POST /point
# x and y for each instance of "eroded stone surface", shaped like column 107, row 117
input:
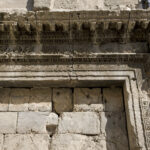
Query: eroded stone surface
column 87, row 96
column 79, row 122
column 19, row 99
column 78, row 5
column 71, row 142
column 40, row 99
column 113, row 127
column 8, row 122
column 41, row 4
column 36, row 122
column 4, row 99
column 113, row 99
column 62, row 100
column 1, row 141
column 27, row 142
column 88, row 99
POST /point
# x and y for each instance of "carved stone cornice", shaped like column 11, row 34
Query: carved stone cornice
column 67, row 27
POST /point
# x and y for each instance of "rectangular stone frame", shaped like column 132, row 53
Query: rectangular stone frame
column 128, row 78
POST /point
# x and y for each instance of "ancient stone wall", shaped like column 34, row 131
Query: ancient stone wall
column 62, row 119
column 68, row 5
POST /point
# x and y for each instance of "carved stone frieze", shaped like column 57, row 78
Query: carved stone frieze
column 74, row 28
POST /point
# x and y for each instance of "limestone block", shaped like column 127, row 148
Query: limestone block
column 113, row 127
column 13, row 4
column 1, row 141
column 113, row 99
column 41, row 4
column 79, row 122
column 19, row 99
column 121, row 2
column 80, row 142
column 27, row 142
column 36, row 122
column 72, row 142
column 8, row 122
column 87, row 96
column 4, row 98
column 62, row 100
column 40, row 99
column 88, row 99
column 78, row 5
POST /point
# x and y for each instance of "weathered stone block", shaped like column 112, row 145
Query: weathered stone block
column 78, row 5
column 8, row 122
column 19, row 99
column 79, row 122
column 36, row 122
column 40, row 99
column 113, row 99
column 1, row 141
column 13, row 4
column 71, row 142
column 87, row 96
column 41, row 4
column 27, row 142
column 4, row 99
column 113, row 127
column 62, row 100
column 88, row 99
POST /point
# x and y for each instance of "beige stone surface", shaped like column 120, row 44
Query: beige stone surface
column 87, row 96
column 71, row 142
column 113, row 127
column 4, row 99
column 8, row 122
column 62, row 100
column 90, row 108
column 80, row 142
column 1, row 141
column 19, row 99
column 87, row 99
column 113, row 99
column 42, row 4
column 40, row 99
column 36, row 122
column 79, row 122
column 13, row 4
column 27, row 142
column 78, row 5
column 72, row 5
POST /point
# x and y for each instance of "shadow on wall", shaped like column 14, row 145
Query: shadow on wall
column 30, row 5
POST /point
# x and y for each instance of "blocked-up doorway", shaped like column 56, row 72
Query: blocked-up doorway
column 63, row 119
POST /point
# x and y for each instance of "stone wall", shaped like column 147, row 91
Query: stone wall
column 62, row 119
column 72, row 5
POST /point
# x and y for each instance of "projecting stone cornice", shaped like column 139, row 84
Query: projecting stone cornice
column 69, row 31
column 93, row 20
column 100, row 21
